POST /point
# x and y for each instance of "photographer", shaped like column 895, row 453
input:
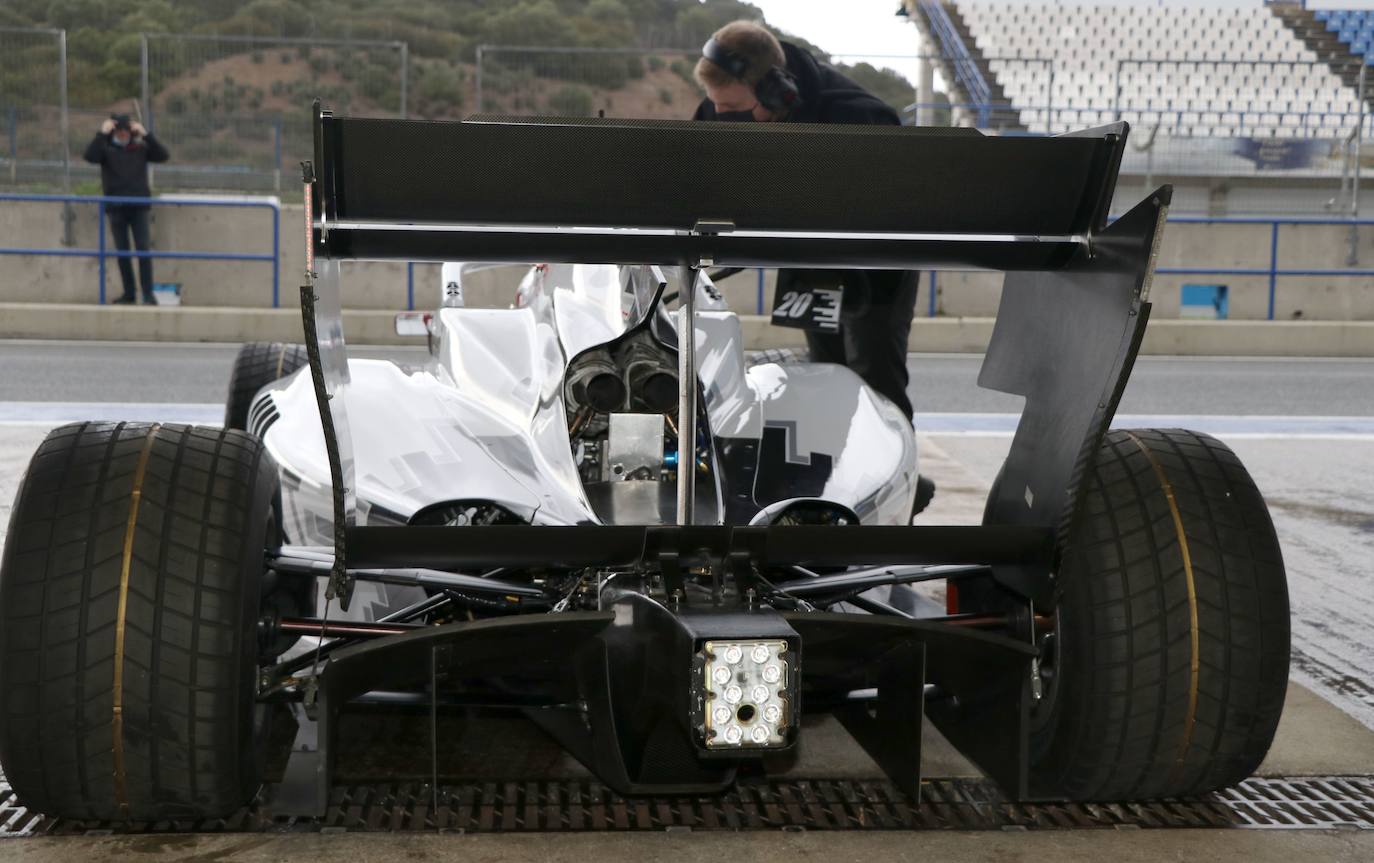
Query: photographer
column 123, row 148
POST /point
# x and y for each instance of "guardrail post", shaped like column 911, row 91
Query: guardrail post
column 410, row 286
column 759, row 304
column 100, row 231
column 276, row 255
column 1273, row 265
column 930, row 301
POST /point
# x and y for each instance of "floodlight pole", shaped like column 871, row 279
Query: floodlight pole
column 68, row 215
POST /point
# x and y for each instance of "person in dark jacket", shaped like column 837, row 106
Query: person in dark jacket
column 123, row 148
column 750, row 76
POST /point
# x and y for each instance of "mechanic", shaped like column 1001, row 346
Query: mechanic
column 751, row 76
column 123, row 148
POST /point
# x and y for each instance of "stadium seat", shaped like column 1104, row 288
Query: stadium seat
column 1222, row 67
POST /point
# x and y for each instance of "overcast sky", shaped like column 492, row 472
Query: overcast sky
column 849, row 27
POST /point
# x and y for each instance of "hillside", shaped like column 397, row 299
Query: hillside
column 193, row 79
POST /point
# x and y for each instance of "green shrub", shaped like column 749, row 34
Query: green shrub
column 570, row 101
column 440, row 86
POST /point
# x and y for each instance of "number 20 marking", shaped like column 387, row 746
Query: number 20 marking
column 793, row 305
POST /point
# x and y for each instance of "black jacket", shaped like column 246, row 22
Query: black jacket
column 830, row 97
column 826, row 96
column 124, row 170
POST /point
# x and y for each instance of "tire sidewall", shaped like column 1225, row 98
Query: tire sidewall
column 265, row 507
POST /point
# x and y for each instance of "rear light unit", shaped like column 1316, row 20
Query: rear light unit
column 747, row 699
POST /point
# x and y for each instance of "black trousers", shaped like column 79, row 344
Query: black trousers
column 126, row 220
column 875, row 322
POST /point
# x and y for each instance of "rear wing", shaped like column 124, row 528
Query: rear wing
column 740, row 194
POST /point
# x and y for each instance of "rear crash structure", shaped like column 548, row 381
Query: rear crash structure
column 1117, row 626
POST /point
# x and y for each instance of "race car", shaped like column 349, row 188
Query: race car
column 591, row 511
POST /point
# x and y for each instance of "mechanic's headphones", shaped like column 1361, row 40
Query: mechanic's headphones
column 776, row 90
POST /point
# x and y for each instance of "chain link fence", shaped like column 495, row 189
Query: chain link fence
column 1280, row 137
column 1286, row 135
column 233, row 110
column 34, row 148
column 641, row 83
column 586, row 82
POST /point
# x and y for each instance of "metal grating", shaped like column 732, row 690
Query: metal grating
column 822, row 804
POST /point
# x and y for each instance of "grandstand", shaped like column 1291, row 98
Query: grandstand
column 1220, row 69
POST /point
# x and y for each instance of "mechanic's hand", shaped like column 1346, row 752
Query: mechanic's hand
column 107, row 127
column 137, row 128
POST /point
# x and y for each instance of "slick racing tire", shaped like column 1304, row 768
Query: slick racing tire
column 1168, row 666
column 129, row 605
column 256, row 366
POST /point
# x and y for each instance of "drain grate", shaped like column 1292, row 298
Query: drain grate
column 821, row 804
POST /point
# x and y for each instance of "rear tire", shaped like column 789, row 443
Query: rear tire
column 129, row 604
column 1171, row 665
column 256, row 366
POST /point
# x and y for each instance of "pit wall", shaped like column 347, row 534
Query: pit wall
column 383, row 286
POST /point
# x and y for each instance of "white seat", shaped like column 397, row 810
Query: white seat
column 1210, row 76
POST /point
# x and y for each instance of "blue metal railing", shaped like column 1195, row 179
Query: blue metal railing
column 101, row 252
column 1273, row 271
column 966, row 71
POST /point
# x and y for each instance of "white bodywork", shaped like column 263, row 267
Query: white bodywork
column 485, row 417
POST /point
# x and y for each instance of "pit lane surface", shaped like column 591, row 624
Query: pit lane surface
column 1305, row 428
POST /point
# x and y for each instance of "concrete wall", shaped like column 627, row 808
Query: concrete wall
column 383, row 286
column 1246, row 246
column 936, row 335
